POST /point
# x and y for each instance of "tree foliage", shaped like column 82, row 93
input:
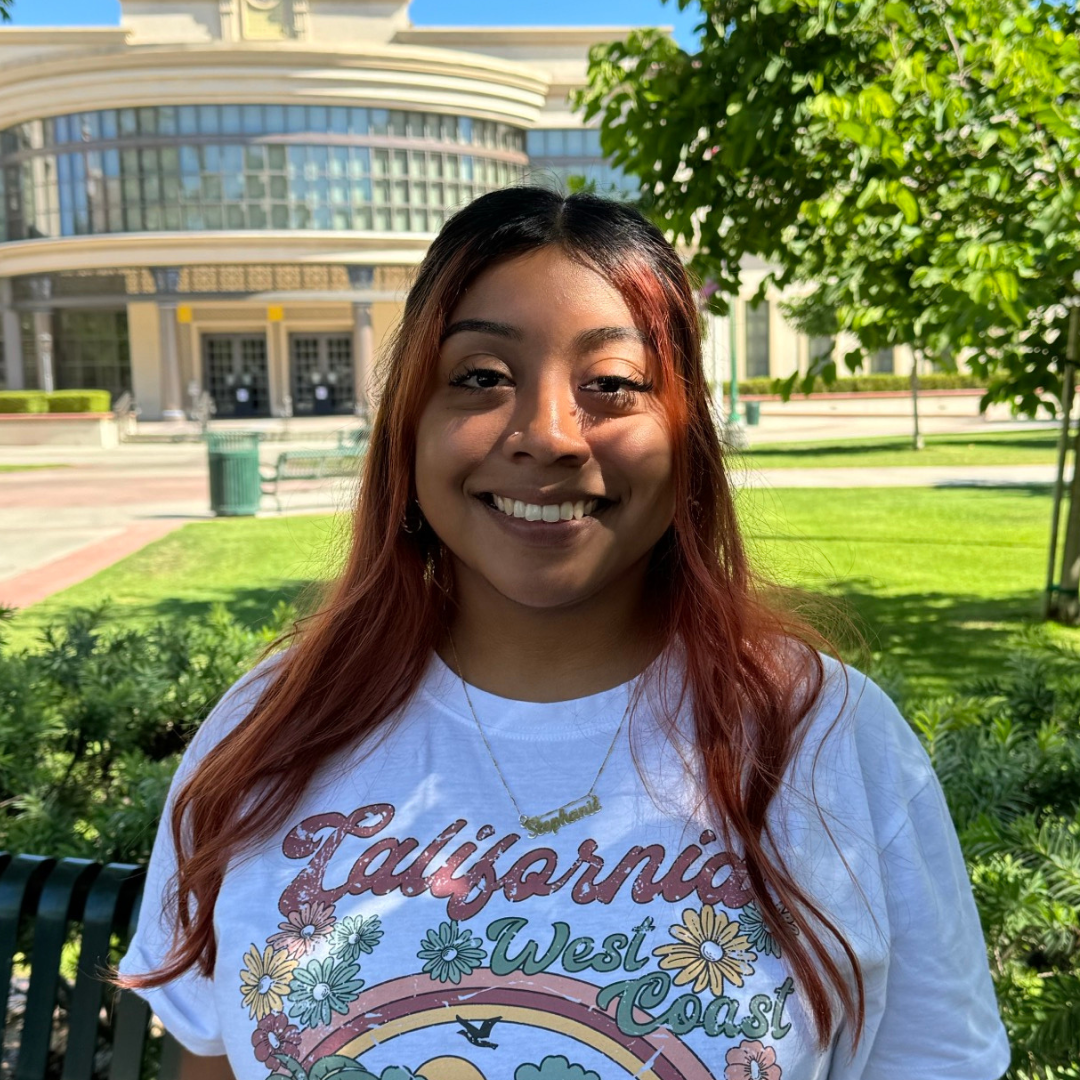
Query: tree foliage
column 912, row 166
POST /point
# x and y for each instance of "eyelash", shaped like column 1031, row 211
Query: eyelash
column 625, row 396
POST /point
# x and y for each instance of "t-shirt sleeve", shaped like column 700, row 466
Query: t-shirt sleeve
column 184, row 1005
column 939, row 1017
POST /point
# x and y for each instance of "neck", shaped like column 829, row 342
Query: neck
column 549, row 654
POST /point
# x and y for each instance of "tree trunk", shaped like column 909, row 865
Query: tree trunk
column 1068, row 605
column 917, row 442
column 1050, row 597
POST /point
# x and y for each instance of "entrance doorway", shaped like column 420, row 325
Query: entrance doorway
column 322, row 374
column 236, row 374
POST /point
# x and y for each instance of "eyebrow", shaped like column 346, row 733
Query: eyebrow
column 583, row 342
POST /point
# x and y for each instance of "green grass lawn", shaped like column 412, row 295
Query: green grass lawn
column 248, row 564
column 937, row 578
column 1032, row 447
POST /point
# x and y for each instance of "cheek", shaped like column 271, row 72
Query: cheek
column 645, row 457
column 448, row 449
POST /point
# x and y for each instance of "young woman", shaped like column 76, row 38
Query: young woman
column 548, row 789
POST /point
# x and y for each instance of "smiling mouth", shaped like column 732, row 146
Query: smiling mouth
column 544, row 512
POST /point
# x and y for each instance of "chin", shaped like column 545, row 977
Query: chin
column 533, row 592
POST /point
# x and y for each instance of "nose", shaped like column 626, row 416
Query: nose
column 547, row 424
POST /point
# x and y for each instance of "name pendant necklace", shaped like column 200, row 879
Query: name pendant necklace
column 574, row 810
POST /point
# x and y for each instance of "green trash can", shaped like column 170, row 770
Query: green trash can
column 753, row 412
column 235, row 485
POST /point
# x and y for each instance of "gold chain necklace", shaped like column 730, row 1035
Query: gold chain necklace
column 574, row 810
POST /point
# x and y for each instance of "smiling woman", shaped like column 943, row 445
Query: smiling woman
column 747, row 869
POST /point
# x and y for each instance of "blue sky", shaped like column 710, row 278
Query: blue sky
column 422, row 12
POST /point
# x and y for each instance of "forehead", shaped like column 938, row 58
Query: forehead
column 542, row 291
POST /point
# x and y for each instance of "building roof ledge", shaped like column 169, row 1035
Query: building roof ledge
column 63, row 35
column 462, row 36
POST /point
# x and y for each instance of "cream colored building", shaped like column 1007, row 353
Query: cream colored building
column 229, row 195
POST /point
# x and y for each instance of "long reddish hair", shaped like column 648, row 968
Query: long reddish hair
column 752, row 672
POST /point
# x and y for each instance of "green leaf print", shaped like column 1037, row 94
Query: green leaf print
column 339, row 1068
column 296, row 1070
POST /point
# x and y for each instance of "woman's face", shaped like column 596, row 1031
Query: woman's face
column 543, row 461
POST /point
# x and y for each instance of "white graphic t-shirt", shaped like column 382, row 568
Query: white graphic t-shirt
column 403, row 923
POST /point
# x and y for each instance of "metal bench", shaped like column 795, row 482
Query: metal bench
column 80, row 1029
column 316, row 464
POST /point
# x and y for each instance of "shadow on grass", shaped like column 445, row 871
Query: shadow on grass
column 252, row 608
column 936, row 642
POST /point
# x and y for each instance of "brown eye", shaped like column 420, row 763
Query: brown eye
column 479, row 379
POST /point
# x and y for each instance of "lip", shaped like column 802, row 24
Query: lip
column 548, row 498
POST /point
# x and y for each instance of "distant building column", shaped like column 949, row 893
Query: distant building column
column 362, row 278
column 11, row 332
column 43, row 343
column 167, row 285
column 363, row 357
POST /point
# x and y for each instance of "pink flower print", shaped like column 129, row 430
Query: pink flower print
column 275, row 1035
column 300, row 933
column 752, row 1061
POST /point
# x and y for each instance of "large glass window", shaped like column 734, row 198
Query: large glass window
column 557, row 154
column 881, row 362
column 92, row 351
column 205, row 167
column 757, row 341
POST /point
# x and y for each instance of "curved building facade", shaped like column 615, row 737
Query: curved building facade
column 228, row 196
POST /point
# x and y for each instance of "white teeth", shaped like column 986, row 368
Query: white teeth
column 549, row 512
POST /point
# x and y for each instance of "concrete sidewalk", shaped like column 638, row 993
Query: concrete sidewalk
column 60, row 525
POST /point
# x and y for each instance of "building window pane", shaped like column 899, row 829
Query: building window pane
column 275, row 119
column 252, row 120
column 209, row 120
column 757, row 341
column 358, row 121
column 821, row 349
column 881, row 362
column 230, row 120
column 296, row 119
column 187, row 120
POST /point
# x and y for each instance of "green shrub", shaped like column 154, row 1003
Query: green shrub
column 1008, row 756
column 77, row 401
column 93, row 719
column 868, row 384
column 23, row 401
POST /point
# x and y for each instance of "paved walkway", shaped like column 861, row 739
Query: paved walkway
column 60, row 525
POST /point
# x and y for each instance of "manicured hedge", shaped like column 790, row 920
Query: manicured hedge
column 80, row 401
column 59, row 401
column 23, row 401
column 868, row 384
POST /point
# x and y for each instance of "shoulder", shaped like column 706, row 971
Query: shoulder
column 858, row 750
column 231, row 710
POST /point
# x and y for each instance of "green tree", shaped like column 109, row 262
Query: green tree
column 911, row 167
column 5, row 10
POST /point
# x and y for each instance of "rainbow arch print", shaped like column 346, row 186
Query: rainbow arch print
column 555, row 1003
